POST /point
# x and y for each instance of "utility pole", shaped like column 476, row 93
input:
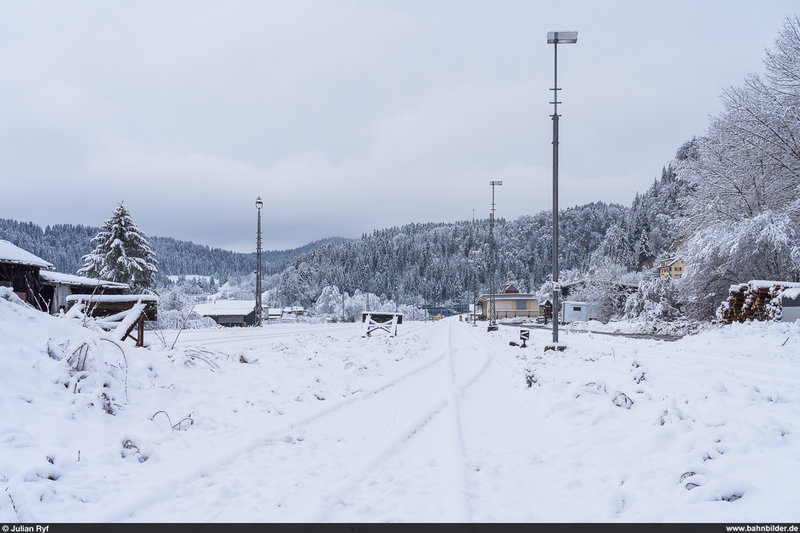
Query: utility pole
column 492, row 311
column 258, row 311
column 368, row 271
column 474, row 261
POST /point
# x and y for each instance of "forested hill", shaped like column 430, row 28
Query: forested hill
column 432, row 262
column 65, row 244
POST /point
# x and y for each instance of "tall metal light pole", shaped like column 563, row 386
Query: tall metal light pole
column 555, row 38
column 258, row 310
column 492, row 311
column 474, row 258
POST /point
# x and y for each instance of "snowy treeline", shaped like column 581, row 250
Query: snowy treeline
column 651, row 227
column 64, row 245
column 742, row 217
column 419, row 263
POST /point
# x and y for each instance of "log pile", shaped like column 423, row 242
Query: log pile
column 754, row 300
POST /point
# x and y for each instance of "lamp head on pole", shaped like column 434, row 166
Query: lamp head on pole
column 562, row 37
column 259, row 203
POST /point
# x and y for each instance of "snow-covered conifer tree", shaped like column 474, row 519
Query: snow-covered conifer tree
column 122, row 254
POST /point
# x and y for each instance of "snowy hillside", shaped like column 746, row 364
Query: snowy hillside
column 313, row 423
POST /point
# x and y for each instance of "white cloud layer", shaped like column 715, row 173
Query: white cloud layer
column 348, row 116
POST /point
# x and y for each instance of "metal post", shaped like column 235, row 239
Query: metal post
column 556, row 288
column 492, row 310
column 258, row 310
column 555, row 102
column 367, row 270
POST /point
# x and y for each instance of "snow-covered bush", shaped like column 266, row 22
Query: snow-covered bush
column 175, row 311
column 329, row 302
column 656, row 299
column 333, row 305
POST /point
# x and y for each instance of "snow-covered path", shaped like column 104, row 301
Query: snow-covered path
column 357, row 456
column 443, row 423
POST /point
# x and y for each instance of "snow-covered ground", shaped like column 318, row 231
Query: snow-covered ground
column 445, row 422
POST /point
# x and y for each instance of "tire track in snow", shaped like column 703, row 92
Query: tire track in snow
column 167, row 490
column 265, row 334
column 458, row 497
column 458, row 500
column 278, row 334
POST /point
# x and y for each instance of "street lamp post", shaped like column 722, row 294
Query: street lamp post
column 555, row 38
column 492, row 310
column 258, row 311
column 474, row 258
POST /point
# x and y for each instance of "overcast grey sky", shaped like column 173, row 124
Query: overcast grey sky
column 347, row 116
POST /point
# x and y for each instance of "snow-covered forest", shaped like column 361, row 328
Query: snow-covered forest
column 65, row 244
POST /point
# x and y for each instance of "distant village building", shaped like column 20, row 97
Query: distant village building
column 508, row 303
column 671, row 268
column 274, row 313
column 19, row 270
column 230, row 313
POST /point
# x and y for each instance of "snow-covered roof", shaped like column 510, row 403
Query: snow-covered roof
column 509, row 288
column 112, row 298
column 10, row 253
column 226, row 307
column 762, row 284
column 510, row 296
column 791, row 294
column 70, row 279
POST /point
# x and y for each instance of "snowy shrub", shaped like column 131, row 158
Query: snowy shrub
column 656, row 299
column 98, row 371
column 181, row 319
column 725, row 253
column 604, row 287
column 329, row 302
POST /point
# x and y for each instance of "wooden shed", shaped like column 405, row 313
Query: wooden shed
column 19, row 270
column 105, row 305
column 57, row 286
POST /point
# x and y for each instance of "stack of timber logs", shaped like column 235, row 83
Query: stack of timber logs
column 754, row 300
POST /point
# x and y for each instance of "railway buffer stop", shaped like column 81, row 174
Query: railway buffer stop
column 381, row 321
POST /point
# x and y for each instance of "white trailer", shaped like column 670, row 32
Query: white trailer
column 577, row 312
